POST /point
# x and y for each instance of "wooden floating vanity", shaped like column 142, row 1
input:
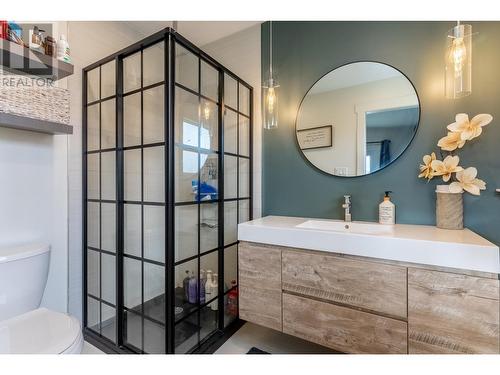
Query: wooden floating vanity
column 362, row 304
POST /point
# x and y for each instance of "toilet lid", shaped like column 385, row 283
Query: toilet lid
column 38, row 331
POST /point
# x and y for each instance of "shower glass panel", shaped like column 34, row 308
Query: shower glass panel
column 143, row 325
column 167, row 179
column 99, row 115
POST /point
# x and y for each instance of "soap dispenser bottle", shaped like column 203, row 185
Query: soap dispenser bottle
column 387, row 210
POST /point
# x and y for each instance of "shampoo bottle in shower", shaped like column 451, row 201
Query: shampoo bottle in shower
column 232, row 299
column 193, row 289
column 185, row 286
column 208, row 286
column 203, row 281
column 215, row 286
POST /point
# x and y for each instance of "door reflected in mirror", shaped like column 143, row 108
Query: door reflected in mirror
column 357, row 119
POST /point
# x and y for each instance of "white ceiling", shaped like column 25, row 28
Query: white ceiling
column 198, row 32
column 353, row 75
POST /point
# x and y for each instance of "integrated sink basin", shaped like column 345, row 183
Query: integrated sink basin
column 421, row 244
column 355, row 227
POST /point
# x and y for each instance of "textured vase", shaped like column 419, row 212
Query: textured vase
column 449, row 208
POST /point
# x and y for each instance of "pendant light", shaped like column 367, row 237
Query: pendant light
column 458, row 78
column 270, row 91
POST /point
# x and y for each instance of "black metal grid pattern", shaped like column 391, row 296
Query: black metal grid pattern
column 138, row 312
column 169, row 324
column 90, row 298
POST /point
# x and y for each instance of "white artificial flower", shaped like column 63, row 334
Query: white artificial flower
column 426, row 170
column 469, row 129
column 446, row 167
column 467, row 181
column 451, row 142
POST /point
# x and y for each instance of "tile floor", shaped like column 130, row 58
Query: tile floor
column 90, row 349
column 268, row 340
column 252, row 335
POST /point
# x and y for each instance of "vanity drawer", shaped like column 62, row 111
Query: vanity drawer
column 260, row 284
column 341, row 328
column 372, row 286
column 451, row 313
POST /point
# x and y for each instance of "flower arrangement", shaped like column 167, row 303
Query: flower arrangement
column 459, row 132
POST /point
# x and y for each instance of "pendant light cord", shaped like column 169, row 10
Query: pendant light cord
column 270, row 50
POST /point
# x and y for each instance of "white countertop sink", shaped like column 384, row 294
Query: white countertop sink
column 345, row 227
column 422, row 244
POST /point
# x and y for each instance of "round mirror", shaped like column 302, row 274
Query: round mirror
column 357, row 119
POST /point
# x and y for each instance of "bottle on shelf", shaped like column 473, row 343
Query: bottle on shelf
column 185, row 286
column 49, row 46
column 208, row 286
column 193, row 289
column 215, row 286
column 36, row 39
column 203, row 281
column 63, row 49
column 232, row 300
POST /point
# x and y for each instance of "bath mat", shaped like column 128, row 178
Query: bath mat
column 254, row 350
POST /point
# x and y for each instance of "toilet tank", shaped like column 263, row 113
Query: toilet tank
column 23, row 275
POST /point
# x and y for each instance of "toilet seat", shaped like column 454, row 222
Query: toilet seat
column 41, row 331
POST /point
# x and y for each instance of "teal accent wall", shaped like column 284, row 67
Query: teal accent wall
column 304, row 51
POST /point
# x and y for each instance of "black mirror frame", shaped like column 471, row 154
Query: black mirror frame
column 392, row 161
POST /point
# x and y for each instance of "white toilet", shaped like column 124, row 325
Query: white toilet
column 25, row 328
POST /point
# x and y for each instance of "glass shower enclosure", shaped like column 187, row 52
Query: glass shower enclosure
column 167, row 160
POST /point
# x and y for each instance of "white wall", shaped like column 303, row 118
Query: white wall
column 33, row 197
column 338, row 108
column 240, row 53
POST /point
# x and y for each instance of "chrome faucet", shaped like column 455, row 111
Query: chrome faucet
column 347, row 207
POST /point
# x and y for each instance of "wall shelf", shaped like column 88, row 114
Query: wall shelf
column 8, row 120
column 20, row 59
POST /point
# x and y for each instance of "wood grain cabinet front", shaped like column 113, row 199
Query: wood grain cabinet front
column 452, row 313
column 357, row 305
column 341, row 328
column 260, row 284
column 376, row 287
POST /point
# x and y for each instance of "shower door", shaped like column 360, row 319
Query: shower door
column 167, row 161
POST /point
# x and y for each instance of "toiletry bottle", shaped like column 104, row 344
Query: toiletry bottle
column 215, row 286
column 203, row 281
column 185, row 286
column 208, row 286
column 232, row 300
column 36, row 38
column 4, row 30
column 387, row 210
column 49, row 46
column 63, row 49
column 193, row 289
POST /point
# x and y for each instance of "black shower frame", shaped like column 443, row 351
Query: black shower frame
column 170, row 38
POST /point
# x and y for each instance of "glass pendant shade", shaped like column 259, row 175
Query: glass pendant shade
column 270, row 91
column 458, row 79
column 270, row 105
